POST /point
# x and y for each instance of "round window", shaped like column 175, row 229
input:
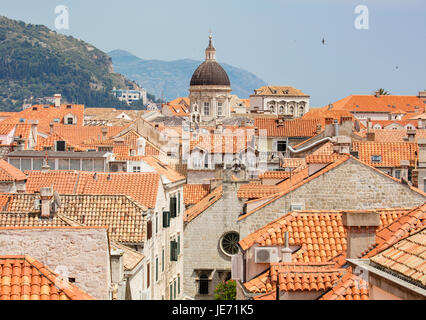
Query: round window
column 229, row 243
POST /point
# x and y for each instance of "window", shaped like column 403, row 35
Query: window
column 162, row 260
column 166, row 219
column 70, row 121
column 75, row 164
column 60, row 145
column 87, row 165
column 148, row 275
column 156, row 223
column 281, row 109
column 178, row 290
column 173, row 251
column 16, row 163
column 98, row 165
column 156, row 269
column 206, row 108
column 204, row 284
column 376, row 159
column 281, row 146
column 25, row 164
column 63, row 164
column 171, row 291
column 37, row 164
column 219, row 109
column 398, row 174
column 174, row 289
column 149, row 229
column 229, row 243
column 136, row 169
column 173, row 207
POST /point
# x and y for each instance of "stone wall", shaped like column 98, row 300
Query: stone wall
column 83, row 251
column 350, row 186
column 202, row 236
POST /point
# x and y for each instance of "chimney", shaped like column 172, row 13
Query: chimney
column 330, row 106
column 319, row 128
column 51, row 127
column 45, row 168
column 369, row 125
column 46, row 196
column 336, row 128
column 371, row 136
column 342, row 144
column 422, row 94
column 377, row 94
column 286, row 251
column 420, row 124
column 329, row 128
column 57, row 98
column 141, row 143
column 361, row 229
column 104, row 133
column 405, row 164
column 411, row 135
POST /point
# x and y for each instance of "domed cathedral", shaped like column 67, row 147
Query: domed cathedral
column 210, row 89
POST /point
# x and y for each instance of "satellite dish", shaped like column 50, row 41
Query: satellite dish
column 57, row 198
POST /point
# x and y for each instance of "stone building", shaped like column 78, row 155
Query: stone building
column 79, row 254
column 211, row 234
column 210, row 89
column 280, row 100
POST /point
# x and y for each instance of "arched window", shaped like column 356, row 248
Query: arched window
column 272, row 108
column 291, row 110
column 301, row 110
column 281, row 109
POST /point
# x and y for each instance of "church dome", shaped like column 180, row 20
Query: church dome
column 210, row 73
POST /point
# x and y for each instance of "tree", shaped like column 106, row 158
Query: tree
column 226, row 290
column 382, row 92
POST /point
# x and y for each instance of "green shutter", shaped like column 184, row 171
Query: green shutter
column 162, row 260
column 174, row 289
column 173, row 207
column 156, row 269
column 178, row 203
column 173, row 251
column 178, row 284
column 166, row 219
column 178, row 246
column 171, row 292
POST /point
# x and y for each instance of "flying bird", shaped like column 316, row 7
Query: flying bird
column 323, row 41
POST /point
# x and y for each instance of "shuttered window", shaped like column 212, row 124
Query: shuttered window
column 166, row 219
column 173, row 251
column 149, row 229
column 173, row 207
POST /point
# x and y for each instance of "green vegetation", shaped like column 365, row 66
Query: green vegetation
column 226, row 290
column 36, row 62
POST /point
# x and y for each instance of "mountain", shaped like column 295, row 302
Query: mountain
column 38, row 62
column 172, row 78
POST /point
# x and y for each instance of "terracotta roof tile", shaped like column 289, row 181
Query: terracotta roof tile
column 10, row 173
column 255, row 190
column 141, row 187
column 193, row 193
column 296, row 277
column 406, row 257
column 290, row 128
column 203, row 204
column 163, row 169
column 123, row 216
column 350, row 287
column 392, row 153
column 320, row 234
column 24, row 278
column 274, row 175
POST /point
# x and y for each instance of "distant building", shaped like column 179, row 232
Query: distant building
column 210, row 89
column 280, row 100
column 131, row 95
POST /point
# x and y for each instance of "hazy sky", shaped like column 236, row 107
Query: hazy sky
column 278, row 40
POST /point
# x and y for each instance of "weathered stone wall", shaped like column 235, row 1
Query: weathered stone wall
column 83, row 251
column 350, row 186
column 202, row 236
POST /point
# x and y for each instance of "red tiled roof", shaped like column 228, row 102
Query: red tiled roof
column 388, row 135
column 203, row 204
column 296, row 277
column 274, row 175
column 219, row 143
column 10, row 173
column 24, row 278
column 255, row 190
column 141, row 187
column 193, row 193
column 406, row 257
column 392, row 153
column 350, row 287
column 290, row 128
column 319, row 233
column 163, row 169
column 387, row 104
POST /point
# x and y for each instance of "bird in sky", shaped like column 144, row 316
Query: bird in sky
column 323, row 41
